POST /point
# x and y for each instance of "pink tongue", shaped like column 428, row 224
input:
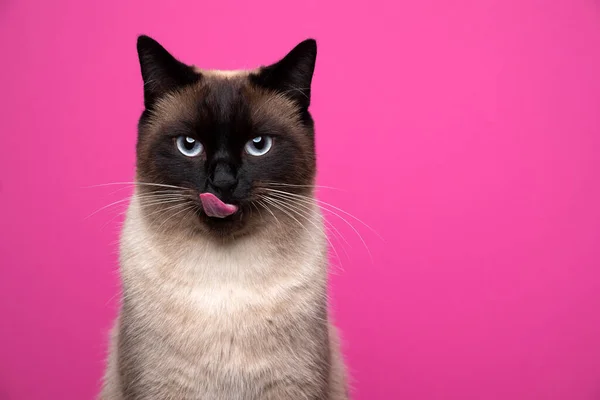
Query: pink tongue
column 213, row 207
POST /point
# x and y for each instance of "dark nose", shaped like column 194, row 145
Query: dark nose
column 223, row 178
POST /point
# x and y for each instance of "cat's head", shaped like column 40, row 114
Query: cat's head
column 223, row 152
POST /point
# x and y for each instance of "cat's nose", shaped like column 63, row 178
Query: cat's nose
column 223, row 178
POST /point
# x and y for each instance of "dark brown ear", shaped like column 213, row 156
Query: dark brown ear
column 161, row 72
column 293, row 74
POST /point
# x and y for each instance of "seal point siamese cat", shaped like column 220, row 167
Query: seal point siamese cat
column 223, row 254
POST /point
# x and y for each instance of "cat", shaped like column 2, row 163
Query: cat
column 223, row 255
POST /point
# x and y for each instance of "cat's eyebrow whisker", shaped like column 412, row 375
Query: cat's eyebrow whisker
column 280, row 94
column 150, row 82
column 307, row 199
column 296, row 89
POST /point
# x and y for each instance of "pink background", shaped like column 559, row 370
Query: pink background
column 466, row 133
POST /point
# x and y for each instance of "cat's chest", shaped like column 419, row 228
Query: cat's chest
column 220, row 349
column 219, row 323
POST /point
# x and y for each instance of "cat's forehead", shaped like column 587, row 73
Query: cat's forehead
column 226, row 93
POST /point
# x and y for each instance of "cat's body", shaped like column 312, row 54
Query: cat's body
column 203, row 333
column 222, row 316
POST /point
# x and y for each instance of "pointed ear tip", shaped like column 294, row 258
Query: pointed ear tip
column 310, row 42
column 308, row 48
column 144, row 41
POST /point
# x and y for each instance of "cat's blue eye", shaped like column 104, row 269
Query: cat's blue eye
column 188, row 146
column 259, row 146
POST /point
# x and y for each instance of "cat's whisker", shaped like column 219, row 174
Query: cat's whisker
column 159, row 196
column 169, row 208
column 266, row 207
column 166, row 192
column 150, row 200
column 188, row 208
column 107, row 206
column 296, row 211
column 324, row 207
column 336, row 233
column 257, row 209
column 280, row 208
column 166, row 213
column 122, row 213
column 161, row 190
column 162, row 197
column 336, row 263
column 306, row 214
column 279, row 184
column 161, row 202
column 149, row 196
column 162, row 193
column 133, row 184
column 144, row 201
column 328, row 205
column 307, row 206
column 120, row 294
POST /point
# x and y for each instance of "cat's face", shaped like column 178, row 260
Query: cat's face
column 221, row 152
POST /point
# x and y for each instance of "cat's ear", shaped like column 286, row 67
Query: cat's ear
column 293, row 74
column 161, row 72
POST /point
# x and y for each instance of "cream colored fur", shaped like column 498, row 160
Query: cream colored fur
column 212, row 320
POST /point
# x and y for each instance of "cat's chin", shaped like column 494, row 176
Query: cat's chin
column 238, row 224
column 243, row 222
